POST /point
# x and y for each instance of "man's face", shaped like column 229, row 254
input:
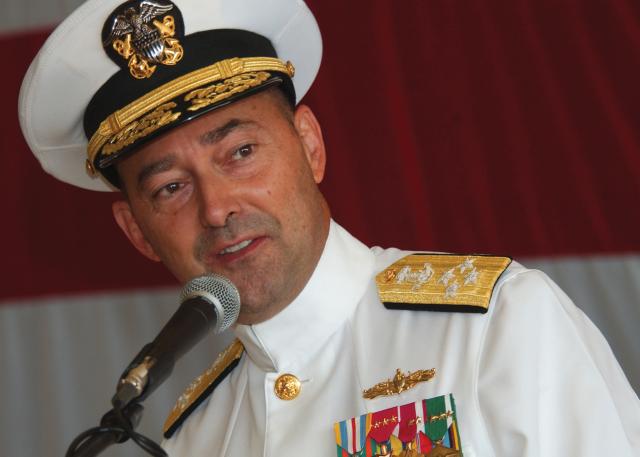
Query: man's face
column 235, row 193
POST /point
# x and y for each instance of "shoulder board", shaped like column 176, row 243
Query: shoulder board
column 441, row 282
column 202, row 387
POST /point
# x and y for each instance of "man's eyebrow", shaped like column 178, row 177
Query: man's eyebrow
column 151, row 169
column 216, row 135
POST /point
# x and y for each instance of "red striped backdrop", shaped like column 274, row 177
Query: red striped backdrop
column 451, row 125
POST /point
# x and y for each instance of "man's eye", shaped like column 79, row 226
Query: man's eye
column 168, row 190
column 242, row 152
column 171, row 188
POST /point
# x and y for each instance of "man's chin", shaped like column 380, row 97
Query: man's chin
column 256, row 307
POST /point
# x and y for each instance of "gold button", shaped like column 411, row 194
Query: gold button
column 287, row 387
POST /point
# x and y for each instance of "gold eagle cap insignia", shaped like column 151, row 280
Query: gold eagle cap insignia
column 145, row 38
column 399, row 383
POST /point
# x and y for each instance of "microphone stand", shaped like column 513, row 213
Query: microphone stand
column 200, row 311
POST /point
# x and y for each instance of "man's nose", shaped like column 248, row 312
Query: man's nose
column 217, row 202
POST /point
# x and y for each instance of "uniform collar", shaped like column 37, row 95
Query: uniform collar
column 288, row 339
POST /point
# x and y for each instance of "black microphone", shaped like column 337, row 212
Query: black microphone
column 209, row 302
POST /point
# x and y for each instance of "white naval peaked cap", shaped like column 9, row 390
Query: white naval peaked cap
column 73, row 65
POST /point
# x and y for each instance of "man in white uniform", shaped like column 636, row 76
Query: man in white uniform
column 189, row 109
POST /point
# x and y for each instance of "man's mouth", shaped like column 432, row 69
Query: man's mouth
column 235, row 247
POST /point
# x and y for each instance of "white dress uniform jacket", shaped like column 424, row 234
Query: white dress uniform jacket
column 531, row 377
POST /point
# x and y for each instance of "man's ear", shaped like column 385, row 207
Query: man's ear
column 308, row 129
column 124, row 217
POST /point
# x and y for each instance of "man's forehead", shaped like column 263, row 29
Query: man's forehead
column 204, row 132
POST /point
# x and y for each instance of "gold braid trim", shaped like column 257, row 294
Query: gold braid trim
column 199, row 385
column 223, row 69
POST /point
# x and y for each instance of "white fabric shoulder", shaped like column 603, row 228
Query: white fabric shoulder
column 548, row 383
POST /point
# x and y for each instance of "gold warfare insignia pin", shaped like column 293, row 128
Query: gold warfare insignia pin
column 441, row 282
column 141, row 35
column 399, row 383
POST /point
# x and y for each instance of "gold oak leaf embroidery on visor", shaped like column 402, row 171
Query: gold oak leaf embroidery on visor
column 159, row 117
column 201, row 98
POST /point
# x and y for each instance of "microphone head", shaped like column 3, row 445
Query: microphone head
column 221, row 293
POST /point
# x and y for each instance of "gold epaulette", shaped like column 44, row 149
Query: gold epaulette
column 202, row 387
column 441, row 282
